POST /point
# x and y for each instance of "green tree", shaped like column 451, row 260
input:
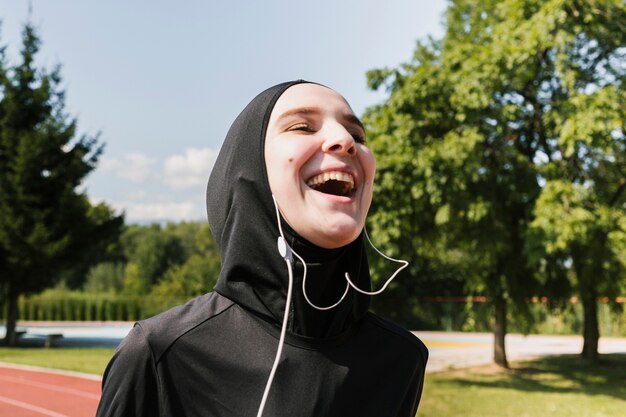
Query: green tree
column 471, row 124
column 105, row 277
column 199, row 273
column 579, row 214
column 96, row 240
column 42, row 162
column 150, row 252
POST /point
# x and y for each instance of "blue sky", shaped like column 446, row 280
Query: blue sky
column 162, row 80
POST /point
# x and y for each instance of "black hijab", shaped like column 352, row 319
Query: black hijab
column 243, row 222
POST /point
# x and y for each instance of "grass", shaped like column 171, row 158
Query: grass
column 561, row 386
column 88, row 360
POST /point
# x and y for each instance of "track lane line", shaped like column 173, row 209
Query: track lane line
column 31, row 407
column 50, row 387
column 52, row 371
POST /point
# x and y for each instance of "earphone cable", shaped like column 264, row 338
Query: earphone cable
column 281, row 342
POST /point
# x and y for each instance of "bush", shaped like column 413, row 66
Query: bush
column 78, row 306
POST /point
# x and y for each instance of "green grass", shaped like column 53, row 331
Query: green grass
column 560, row 386
column 88, row 360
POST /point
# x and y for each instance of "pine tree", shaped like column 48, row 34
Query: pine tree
column 44, row 220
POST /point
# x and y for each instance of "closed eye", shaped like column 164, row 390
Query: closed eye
column 301, row 127
column 358, row 138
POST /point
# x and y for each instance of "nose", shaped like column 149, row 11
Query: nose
column 340, row 141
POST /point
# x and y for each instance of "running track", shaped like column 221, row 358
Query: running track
column 28, row 392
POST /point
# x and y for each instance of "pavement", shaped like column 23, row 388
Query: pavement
column 455, row 350
column 448, row 350
column 75, row 334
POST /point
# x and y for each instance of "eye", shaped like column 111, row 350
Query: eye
column 358, row 138
column 304, row 127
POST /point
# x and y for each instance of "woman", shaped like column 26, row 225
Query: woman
column 301, row 143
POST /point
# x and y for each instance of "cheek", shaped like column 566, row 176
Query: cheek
column 283, row 168
column 368, row 162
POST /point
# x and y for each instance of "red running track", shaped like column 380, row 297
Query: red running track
column 36, row 393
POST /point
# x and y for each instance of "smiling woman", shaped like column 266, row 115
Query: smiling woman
column 294, row 167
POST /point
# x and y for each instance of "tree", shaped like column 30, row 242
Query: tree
column 96, row 240
column 579, row 217
column 105, row 277
column 470, row 125
column 43, row 218
column 179, row 259
column 201, row 269
column 150, row 252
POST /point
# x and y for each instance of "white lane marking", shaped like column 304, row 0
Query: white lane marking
column 31, row 407
column 50, row 371
column 50, row 387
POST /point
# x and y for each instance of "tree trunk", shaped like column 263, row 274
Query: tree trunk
column 499, row 332
column 591, row 334
column 10, row 339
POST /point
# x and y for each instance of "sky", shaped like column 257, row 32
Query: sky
column 160, row 82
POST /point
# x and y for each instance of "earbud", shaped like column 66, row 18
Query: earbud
column 284, row 249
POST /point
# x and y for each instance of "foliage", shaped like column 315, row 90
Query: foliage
column 519, row 93
column 105, row 277
column 178, row 260
column 96, row 240
column 194, row 277
column 150, row 252
column 59, row 305
column 184, row 263
column 46, row 225
column 200, row 271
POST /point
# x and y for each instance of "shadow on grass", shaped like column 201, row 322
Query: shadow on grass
column 558, row 374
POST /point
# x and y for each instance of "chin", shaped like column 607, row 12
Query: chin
column 337, row 237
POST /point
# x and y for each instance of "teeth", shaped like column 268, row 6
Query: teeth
column 331, row 175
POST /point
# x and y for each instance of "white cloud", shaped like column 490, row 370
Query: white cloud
column 168, row 188
column 189, row 170
column 135, row 167
column 155, row 211
column 145, row 195
column 179, row 172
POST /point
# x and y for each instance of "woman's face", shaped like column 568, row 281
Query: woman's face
column 319, row 169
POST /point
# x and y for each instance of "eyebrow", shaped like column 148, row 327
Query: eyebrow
column 355, row 120
column 348, row 117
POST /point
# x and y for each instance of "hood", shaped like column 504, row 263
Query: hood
column 243, row 222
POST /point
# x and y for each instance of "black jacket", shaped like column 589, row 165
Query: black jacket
column 212, row 356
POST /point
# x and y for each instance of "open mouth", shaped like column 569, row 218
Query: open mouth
column 333, row 182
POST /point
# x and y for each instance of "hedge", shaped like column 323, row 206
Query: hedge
column 79, row 306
